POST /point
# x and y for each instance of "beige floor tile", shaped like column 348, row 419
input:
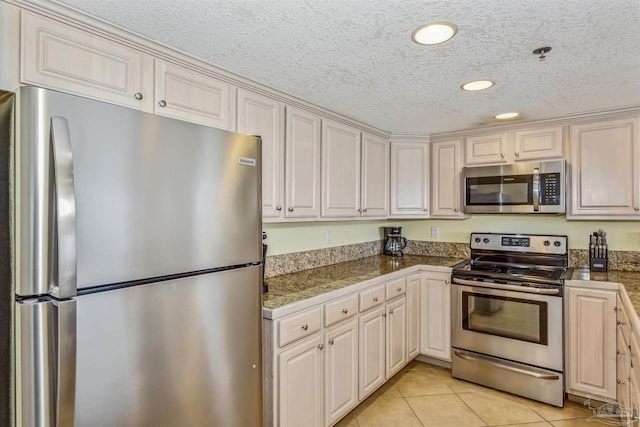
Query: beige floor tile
column 583, row 422
column 348, row 421
column 387, row 390
column 461, row 386
column 550, row 413
column 421, row 383
column 495, row 409
column 444, row 410
column 540, row 424
column 392, row 412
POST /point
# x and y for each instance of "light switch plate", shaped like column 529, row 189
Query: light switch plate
column 435, row 231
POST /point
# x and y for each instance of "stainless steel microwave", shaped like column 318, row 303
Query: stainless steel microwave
column 531, row 187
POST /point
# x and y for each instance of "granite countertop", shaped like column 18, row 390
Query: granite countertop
column 295, row 287
column 630, row 280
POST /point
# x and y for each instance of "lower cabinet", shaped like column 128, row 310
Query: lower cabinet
column 372, row 350
column 396, row 335
column 413, row 315
column 435, row 312
column 340, row 370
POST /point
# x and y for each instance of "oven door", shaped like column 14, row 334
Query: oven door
column 519, row 326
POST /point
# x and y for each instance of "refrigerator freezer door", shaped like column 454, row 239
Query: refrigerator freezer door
column 153, row 196
column 176, row 353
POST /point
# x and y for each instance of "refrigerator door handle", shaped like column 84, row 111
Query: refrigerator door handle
column 65, row 272
column 46, row 372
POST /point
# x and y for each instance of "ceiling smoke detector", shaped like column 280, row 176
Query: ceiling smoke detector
column 541, row 52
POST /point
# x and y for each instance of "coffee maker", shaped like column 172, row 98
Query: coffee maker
column 394, row 243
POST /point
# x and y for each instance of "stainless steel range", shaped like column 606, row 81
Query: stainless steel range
column 507, row 314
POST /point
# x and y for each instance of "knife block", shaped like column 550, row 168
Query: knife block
column 599, row 264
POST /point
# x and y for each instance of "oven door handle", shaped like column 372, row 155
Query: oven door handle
column 528, row 289
column 493, row 363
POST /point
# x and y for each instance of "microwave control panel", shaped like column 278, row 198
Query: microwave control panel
column 550, row 188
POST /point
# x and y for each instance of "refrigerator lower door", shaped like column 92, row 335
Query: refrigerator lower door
column 183, row 352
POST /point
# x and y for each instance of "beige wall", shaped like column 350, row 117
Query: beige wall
column 296, row 237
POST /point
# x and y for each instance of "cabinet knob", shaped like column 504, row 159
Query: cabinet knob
column 502, row 155
column 138, row 96
column 305, row 327
column 446, row 282
column 636, row 209
column 359, row 210
column 290, row 209
column 620, row 353
column 517, row 154
column 364, row 210
column 384, row 314
column 390, row 311
column 331, row 341
column 320, row 346
column 162, row 103
column 399, row 289
column 455, row 209
column 345, row 311
column 621, row 382
column 278, row 208
column 619, row 322
column 426, row 209
column 375, row 299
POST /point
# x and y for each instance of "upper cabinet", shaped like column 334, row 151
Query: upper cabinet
column 515, row 146
column 302, row 170
column 354, row 172
column 188, row 95
column 409, row 179
column 64, row 58
column 446, row 180
column 264, row 117
column 605, row 169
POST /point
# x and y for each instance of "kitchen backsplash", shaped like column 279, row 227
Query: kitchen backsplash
column 298, row 261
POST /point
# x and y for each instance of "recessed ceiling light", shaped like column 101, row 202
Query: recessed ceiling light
column 478, row 85
column 434, row 33
column 506, row 116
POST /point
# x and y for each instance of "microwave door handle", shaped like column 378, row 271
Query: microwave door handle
column 536, row 189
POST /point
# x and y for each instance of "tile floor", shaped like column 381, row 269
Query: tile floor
column 426, row 395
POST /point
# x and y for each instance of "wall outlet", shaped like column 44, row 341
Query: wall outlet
column 435, row 231
column 329, row 237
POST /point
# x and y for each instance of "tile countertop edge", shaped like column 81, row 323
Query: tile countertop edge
column 278, row 312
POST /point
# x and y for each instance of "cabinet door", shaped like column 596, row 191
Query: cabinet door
column 340, row 170
column 60, row 57
column 591, row 342
column 396, row 336
column 605, row 168
column 435, row 295
column 623, row 368
column 300, row 385
column 413, row 315
column 446, row 179
column 302, row 176
column 375, row 176
column 341, row 371
column 542, row 143
column 188, row 95
column 371, row 332
column 486, row 149
column 409, row 179
column 262, row 116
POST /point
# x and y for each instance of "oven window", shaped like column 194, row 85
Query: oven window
column 520, row 319
column 499, row 190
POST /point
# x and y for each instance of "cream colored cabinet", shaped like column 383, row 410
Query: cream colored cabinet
column 375, row 176
column 538, row 143
column 264, row 117
column 396, row 336
column 300, row 386
column 189, row 95
column 605, row 169
column 302, row 164
column 340, row 170
column 60, row 57
column 446, row 180
column 590, row 341
column 372, row 344
column 489, row 148
column 341, row 370
column 9, row 46
column 409, row 179
column 413, row 316
column 435, row 305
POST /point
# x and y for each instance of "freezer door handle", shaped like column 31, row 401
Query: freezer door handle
column 46, row 372
column 65, row 269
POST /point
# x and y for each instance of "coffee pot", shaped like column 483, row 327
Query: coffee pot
column 394, row 243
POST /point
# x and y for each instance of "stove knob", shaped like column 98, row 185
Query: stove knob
column 477, row 240
column 557, row 243
column 547, row 243
column 486, row 240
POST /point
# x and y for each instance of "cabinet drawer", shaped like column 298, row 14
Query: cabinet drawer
column 341, row 309
column 299, row 325
column 372, row 297
column 396, row 288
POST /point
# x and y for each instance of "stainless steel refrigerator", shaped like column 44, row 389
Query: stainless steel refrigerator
column 131, row 267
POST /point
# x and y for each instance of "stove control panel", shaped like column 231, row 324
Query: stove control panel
column 548, row 244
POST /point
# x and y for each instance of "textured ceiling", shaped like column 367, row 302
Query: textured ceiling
column 356, row 56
